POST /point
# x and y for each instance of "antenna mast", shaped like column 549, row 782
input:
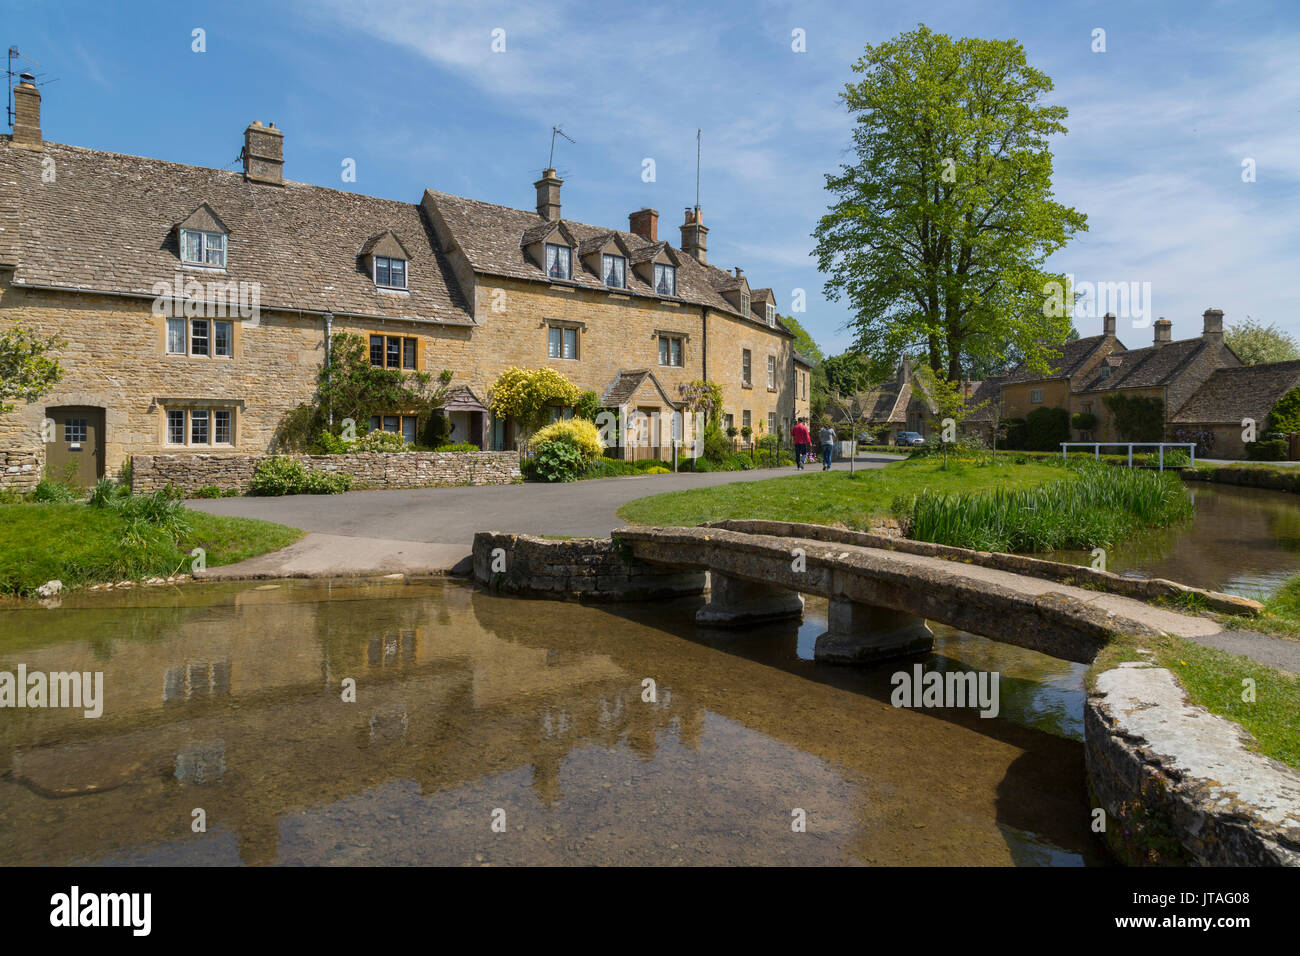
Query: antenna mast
column 556, row 131
column 697, row 169
column 9, row 72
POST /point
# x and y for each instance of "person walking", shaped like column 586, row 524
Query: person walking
column 802, row 442
column 828, row 446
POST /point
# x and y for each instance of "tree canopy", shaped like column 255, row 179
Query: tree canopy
column 938, row 233
column 26, row 370
column 1256, row 343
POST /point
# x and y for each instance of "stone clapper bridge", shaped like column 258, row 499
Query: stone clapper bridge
column 881, row 589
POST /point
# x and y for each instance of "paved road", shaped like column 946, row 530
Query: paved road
column 359, row 532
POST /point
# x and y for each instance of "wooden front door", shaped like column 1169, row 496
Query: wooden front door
column 76, row 448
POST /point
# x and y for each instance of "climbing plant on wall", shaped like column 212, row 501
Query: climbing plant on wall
column 1135, row 418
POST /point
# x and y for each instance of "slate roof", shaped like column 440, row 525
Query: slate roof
column 800, row 357
column 626, row 383
column 489, row 236
column 1246, row 391
column 1152, row 366
column 1064, row 361
column 990, row 391
column 106, row 223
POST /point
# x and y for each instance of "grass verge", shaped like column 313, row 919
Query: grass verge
column 79, row 545
column 1214, row 679
column 831, row 497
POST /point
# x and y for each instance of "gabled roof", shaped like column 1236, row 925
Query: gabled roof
column 1064, row 360
column 596, row 243
column 385, row 243
column 801, row 358
column 204, row 219
column 626, row 383
column 106, row 223
column 988, row 391
column 1154, row 365
column 488, row 236
column 1237, row 392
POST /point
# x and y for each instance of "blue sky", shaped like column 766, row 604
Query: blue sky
column 412, row 91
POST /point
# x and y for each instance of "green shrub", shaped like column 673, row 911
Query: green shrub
column 658, row 470
column 582, row 434
column 49, row 490
column 1285, row 416
column 1269, row 449
column 559, row 460
column 288, row 476
column 207, row 491
column 1137, row 418
column 1015, row 433
column 105, row 493
column 1046, row 428
column 1083, row 421
column 327, row 443
column 325, row 483
column 457, row 446
column 717, row 447
column 379, row 441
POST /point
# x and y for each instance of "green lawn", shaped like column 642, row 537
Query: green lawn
column 1213, row 679
column 832, row 497
column 80, row 545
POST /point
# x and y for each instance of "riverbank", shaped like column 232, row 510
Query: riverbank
column 80, row 545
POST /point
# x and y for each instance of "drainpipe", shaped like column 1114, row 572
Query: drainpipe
column 329, row 329
column 704, row 342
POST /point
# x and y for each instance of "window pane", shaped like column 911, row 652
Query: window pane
column 74, row 430
column 614, row 271
column 557, row 261
column 744, row 366
column 214, row 248
column 665, row 280
column 381, row 271
column 221, row 338
column 392, row 423
column 221, row 426
column 198, row 428
column 198, row 336
column 408, row 429
column 176, row 427
column 570, row 343
column 553, row 342
column 663, row 351
column 394, row 352
column 397, row 271
column 176, row 336
column 374, row 423
column 408, row 353
column 190, row 245
column 677, row 351
column 377, row 350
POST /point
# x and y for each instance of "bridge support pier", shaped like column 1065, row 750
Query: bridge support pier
column 864, row 634
column 736, row 601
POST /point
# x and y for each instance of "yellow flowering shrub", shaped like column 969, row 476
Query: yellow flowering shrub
column 578, row 432
column 526, row 394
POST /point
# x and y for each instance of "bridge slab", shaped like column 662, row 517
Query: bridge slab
column 734, row 602
column 863, row 634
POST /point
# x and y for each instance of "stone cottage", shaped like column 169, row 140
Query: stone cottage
column 197, row 305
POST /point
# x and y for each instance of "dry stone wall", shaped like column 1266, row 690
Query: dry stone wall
column 414, row 469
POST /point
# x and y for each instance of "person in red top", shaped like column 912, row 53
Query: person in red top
column 802, row 442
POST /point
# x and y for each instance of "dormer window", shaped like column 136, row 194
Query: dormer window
column 771, row 315
column 203, row 248
column 665, row 279
column 559, row 261
column 614, row 269
column 390, row 273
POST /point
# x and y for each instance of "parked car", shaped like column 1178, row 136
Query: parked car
column 910, row 439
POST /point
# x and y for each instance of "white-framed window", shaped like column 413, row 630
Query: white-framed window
column 176, row 336
column 559, row 260
column 665, row 279
column 771, row 423
column 771, row 372
column 222, row 339
column 771, row 315
column 203, row 248
column 670, row 351
column 745, row 367
column 390, row 273
column 745, row 419
column 744, row 304
column 614, row 269
column 200, row 426
column 199, row 341
column 562, row 343
column 1036, row 396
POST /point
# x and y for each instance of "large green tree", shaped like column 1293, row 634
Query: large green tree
column 26, row 370
column 1256, row 343
column 938, row 233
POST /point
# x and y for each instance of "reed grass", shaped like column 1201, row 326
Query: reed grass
column 1096, row 507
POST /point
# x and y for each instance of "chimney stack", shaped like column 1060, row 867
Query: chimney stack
column 645, row 223
column 27, row 112
column 1163, row 329
column 739, row 271
column 263, row 154
column 695, row 235
column 1213, row 325
column 1108, row 324
column 548, row 195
